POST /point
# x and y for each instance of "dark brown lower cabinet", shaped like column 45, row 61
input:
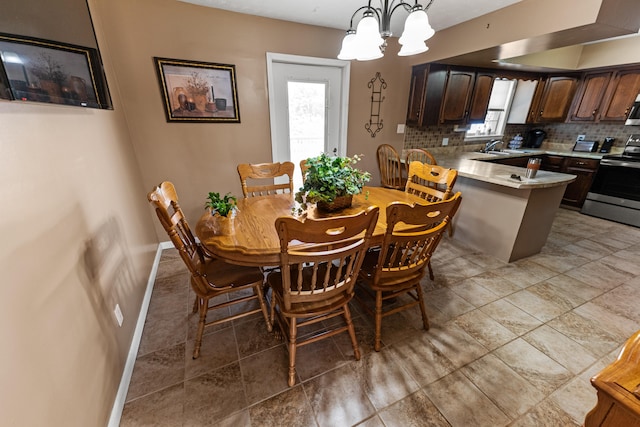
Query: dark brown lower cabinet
column 585, row 170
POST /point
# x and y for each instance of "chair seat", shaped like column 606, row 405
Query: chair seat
column 223, row 275
column 368, row 271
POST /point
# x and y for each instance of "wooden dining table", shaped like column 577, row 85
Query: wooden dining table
column 253, row 239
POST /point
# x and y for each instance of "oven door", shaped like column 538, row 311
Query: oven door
column 618, row 179
column 615, row 192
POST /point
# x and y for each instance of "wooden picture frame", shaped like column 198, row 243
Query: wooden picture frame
column 41, row 70
column 195, row 91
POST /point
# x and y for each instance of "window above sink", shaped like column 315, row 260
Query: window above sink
column 496, row 118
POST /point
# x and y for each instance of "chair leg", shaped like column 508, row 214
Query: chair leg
column 430, row 270
column 293, row 332
column 263, row 306
column 378, row 316
column 352, row 332
column 195, row 305
column 203, row 305
column 425, row 319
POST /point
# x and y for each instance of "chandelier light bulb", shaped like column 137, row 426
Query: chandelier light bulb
column 349, row 46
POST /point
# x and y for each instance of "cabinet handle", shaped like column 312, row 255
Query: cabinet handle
column 594, row 112
column 580, row 163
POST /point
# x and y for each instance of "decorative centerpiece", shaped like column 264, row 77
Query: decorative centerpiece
column 223, row 211
column 330, row 182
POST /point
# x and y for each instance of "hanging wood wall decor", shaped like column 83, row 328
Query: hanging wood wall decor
column 375, row 121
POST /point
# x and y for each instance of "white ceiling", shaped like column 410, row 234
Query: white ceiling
column 337, row 13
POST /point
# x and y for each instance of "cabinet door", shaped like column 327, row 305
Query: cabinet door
column 552, row 163
column 586, row 104
column 480, row 97
column 622, row 91
column 584, row 169
column 457, row 94
column 556, row 98
column 416, row 94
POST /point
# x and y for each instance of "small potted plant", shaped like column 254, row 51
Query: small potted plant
column 330, row 182
column 223, row 209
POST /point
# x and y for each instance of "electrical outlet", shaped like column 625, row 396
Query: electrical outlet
column 400, row 128
column 445, row 142
column 581, row 137
column 118, row 313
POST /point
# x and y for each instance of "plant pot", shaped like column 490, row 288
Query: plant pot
column 339, row 203
column 222, row 225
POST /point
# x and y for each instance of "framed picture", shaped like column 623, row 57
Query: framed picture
column 47, row 71
column 198, row 91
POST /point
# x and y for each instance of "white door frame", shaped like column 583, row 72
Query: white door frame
column 345, row 67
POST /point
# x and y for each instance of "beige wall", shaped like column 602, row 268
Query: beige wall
column 74, row 177
column 74, row 210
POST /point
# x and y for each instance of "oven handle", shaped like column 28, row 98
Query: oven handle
column 620, row 163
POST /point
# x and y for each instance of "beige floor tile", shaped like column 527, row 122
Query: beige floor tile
column 487, row 331
column 586, row 332
column 162, row 408
column 560, row 348
column 265, row 374
column 414, row 410
column 533, row 365
column 463, row 404
column 338, row 397
column 540, row 308
column 507, row 389
column 157, row 370
column 214, row 396
column 385, row 381
column 289, row 408
column 511, row 317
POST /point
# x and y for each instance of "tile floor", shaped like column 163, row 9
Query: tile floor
column 510, row 344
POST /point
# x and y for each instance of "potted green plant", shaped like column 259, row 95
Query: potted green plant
column 331, row 182
column 222, row 210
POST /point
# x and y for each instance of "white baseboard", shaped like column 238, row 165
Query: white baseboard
column 118, row 405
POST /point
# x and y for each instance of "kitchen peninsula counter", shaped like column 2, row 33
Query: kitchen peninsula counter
column 501, row 216
column 470, row 165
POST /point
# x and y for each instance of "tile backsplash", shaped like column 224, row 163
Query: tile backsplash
column 560, row 136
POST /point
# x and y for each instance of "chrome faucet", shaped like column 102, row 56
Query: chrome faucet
column 491, row 145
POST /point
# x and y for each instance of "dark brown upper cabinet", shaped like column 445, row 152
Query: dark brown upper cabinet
column 621, row 92
column 554, row 100
column 416, row 94
column 445, row 95
column 605, row 96
column 586, row 104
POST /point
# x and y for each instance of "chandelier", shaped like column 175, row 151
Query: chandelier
column 369, row 40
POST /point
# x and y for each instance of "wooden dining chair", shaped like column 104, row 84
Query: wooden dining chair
column 260, row 172
column 417, row 155
column 303, row 169
column 390, row 166
column 397, row 268
column 209, row 277
column 432, row 183
column 319, row 264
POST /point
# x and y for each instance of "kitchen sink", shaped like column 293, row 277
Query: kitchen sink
column 498, row 152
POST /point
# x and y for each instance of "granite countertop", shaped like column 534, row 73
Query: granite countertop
column 469, row 165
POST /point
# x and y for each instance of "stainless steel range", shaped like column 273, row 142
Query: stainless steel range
column 615, row 192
